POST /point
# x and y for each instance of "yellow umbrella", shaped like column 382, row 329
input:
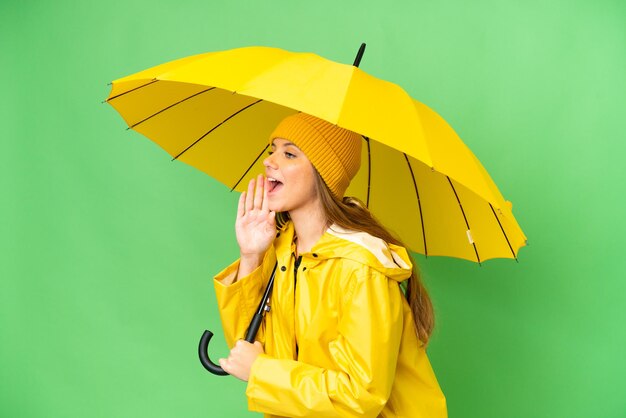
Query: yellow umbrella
column 216, row 110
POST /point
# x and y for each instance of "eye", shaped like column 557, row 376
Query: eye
column 270, row 152
column 290, row 155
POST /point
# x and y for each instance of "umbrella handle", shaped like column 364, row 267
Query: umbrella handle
column 203, row 347
column 255, row 324
column 204, row 356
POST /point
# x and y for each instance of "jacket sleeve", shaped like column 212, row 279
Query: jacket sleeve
column 364, row 356
column 237, row 302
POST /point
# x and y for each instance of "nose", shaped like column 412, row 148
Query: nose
column 269, row 162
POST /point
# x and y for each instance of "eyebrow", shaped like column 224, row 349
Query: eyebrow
column 286, row 144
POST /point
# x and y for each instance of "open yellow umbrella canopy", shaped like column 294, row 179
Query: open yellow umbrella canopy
column 215, row 111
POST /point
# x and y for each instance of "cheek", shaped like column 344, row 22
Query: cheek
column 312, row 186
column 307, row 182
column 302, row 181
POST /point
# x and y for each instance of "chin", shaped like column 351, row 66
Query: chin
column 276, row 207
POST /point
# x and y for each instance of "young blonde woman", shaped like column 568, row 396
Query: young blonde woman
column 342, row 338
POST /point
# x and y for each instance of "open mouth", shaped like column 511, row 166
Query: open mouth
column 274, row 185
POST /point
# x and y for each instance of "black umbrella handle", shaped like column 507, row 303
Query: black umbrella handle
column 203, row 347
column 204, row 357
column 253, row 329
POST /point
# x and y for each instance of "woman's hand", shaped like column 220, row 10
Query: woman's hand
column 256, row 224
column 240, row 360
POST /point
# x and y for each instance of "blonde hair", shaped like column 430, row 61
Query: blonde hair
column 350, row 213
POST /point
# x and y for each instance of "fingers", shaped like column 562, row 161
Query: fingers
column 229, row 365
column 225, row 365
column 242, row 199
column 266, row 183
column 255, row 197
column 241, row 357
column 250, row 196
column 258, row 196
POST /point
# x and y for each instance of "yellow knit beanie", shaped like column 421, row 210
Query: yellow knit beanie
column 335, row 152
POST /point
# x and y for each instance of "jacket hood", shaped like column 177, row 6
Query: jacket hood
column 389, row 259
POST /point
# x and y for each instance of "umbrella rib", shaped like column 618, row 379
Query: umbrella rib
column 464, row 217
column 369, row 170
column 215, row 127
column 154, row 80
column 170, row 106
column 419, row 202
column 249, row 168
column 503, row 233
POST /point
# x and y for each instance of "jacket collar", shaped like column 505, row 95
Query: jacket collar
column 391, row 260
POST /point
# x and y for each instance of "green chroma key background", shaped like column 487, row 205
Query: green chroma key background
column 107, row 249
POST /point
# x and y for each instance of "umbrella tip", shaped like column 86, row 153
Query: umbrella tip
column 359, row 55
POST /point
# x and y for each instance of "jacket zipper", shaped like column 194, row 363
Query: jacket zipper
column 295, row 281
column 295, row 273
